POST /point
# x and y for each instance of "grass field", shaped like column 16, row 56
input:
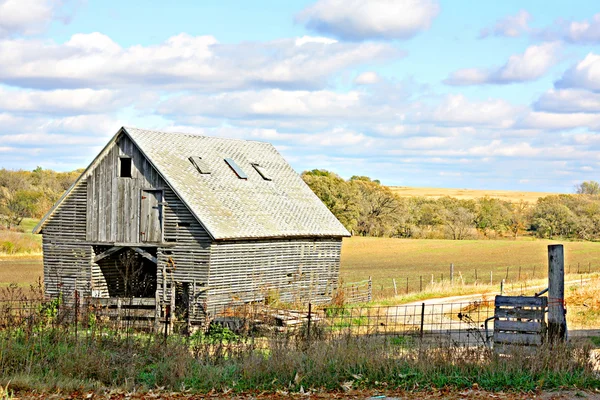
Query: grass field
column 466, row 194
column 385, row 259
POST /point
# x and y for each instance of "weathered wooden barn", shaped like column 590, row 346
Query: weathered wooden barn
column 209, row 221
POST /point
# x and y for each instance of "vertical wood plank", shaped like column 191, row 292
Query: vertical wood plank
column 557, row 323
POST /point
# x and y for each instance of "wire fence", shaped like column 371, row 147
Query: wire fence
column 516, row 278
column 455, row 324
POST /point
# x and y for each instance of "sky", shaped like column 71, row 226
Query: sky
column 455, row 94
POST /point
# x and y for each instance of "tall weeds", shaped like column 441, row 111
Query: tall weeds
column 54, row 358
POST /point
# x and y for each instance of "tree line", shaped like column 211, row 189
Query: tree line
column 30, row 194
column 367, row 208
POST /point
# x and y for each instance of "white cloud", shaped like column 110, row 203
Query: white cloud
column 568, row 101
column 183, row 61
column 585, row 74
column 459, row 111
column 510, row 26
column 24, row 16
column 576, row 32
column 370, row 19
column 555, row 121
column 367, row 78
column 285, row 106
column 529, row 66
column 62, row 101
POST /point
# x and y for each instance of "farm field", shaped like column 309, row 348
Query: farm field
column 385, row 259
column 513, row 196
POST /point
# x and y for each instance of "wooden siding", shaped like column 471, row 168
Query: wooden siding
column 67, row 258
column 187, row 261
column 114, row 202
column 292, row 270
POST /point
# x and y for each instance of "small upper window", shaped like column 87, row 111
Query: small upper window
column 200, row 164
column 125, row 167
column 261, row 171
column 236, row 168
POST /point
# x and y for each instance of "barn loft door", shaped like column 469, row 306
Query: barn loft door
column 151, row 216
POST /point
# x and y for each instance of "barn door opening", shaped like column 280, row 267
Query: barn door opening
column 151, row 216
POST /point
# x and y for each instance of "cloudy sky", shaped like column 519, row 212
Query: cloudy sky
column 459, row 94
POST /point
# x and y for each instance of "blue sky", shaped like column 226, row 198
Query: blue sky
column 485, row 95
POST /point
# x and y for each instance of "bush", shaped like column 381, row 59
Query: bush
column 12, row 242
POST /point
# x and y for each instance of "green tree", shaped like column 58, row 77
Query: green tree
column 493, row 215
column 339, row 196
column 588, row 187
column 551, row 218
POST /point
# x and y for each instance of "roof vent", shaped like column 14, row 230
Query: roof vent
column 236, row 168
column 261, row 171
column 200, row 164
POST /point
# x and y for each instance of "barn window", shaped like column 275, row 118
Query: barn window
column 125, row 167
column 236, row 168
column 200, row 164
column 261, row 171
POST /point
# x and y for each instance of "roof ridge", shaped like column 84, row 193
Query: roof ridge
column 128, row 128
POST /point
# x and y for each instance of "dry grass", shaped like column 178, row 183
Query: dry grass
column 13, row 242
column 387, row 258
column 22, row 270
column 466, row 194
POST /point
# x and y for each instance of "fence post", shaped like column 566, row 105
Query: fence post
column 395, row 288
column 422, row 318
column 519, row 272
column 475, row 276
column 118, row 313
column 370, row 294
column 502, row 287
column 172, row 303
column 506, row 273
column 167, row 320
column 406, row 285
column 309, row 322
column 452, row 273
column 420, row 283
column 76, row 312
column 557, row 324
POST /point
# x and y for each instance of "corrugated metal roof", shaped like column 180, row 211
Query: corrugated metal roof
column 233, row 208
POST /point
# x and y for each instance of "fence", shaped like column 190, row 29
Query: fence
column 456, row 323
column 358, row 292
column 444, row 323
column 518, row 279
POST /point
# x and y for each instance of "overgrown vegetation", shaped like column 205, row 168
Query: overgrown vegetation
column 53, row 359
column 368, row 208
column 29, row 194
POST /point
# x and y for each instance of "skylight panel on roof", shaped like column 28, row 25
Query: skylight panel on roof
column 236, row 168
column 261, row 171
column 200, row 164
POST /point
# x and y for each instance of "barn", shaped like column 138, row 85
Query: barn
column 199, row 222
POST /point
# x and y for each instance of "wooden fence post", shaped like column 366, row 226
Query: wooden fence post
column 557, row 323
column 452, row 273
column 370, row 294
column 395, row 287
column 172, row 306
column 406, row 285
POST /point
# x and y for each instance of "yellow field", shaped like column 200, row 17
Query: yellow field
column 466, row 194
column 417, row 259
column 385, row 259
